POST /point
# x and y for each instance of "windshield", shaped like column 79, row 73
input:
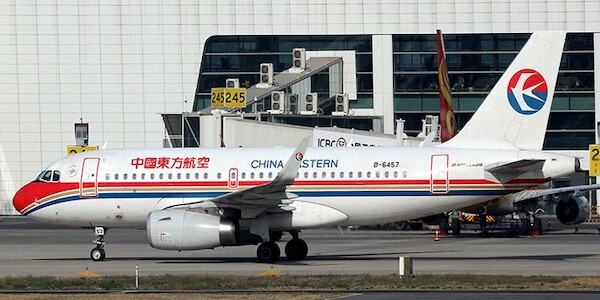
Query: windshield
column 49, row 175
column 45, row 176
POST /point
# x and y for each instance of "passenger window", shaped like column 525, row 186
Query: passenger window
column 205, row 175
column 170, row 175
column 350, row 174
column 143, row 176
column 341, row 174
column 314, row 174
column 116, row 176
column 359, row 174
column 243, row 175
column 387, row 174
column 125, row 176
column 219, row 175
column 133, row 176
column 178, row 175
column 305, row 175
column 107, row 176
column 395, row 174
column 332, row 174
column 323, row 175
column 369, row 174
column 160, row 176
column 252, row 175
column 197, row 175
column 377, row 174
column 151, row 176
column 271, row 175
column 56, row 176
column 187, row 175
column 260, row 175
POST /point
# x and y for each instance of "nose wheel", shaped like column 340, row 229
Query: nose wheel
column 98, row 253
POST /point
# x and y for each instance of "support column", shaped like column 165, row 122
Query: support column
column 383, row 83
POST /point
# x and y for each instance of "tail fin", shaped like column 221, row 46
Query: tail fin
column 515, row 113
column 447, row 120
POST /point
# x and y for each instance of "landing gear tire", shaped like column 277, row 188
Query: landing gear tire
column 296, row 249
column 98, row 254
column 455, row 226
column 268, row 252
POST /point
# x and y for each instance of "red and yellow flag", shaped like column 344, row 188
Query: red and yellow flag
column 447, row 120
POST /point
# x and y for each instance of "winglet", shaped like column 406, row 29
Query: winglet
column 287, row 175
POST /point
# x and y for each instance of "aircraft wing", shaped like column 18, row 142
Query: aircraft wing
column 268, row 195
column 530, row 194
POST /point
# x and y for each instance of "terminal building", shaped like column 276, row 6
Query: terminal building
column 130, row 68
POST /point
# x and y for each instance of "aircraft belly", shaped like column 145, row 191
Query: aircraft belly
column 377, row 210
column 97, row 212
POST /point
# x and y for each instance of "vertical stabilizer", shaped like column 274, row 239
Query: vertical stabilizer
column 515, row 113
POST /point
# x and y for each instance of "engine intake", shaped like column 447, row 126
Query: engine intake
column 573, row 210
column 180, row 229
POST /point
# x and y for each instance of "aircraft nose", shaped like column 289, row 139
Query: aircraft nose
column 23, row 198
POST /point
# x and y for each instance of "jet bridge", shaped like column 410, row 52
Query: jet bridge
column 287, row 79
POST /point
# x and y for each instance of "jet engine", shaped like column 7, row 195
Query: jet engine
column 179, row 229
column 572, row 210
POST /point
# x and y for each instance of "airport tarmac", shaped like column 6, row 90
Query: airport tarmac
column 30, row 248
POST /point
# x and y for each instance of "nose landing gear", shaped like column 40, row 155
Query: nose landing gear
column 98, row 253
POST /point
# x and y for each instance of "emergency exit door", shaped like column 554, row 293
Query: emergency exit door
column 439, row 181
column 88, row 185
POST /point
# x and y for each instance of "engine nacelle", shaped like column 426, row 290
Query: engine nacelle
column 573, row 210
column 179, row 229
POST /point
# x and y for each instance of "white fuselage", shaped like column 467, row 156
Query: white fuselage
column 335, row 186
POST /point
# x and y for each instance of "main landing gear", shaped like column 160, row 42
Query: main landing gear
column 98, row 253
column 296, row 249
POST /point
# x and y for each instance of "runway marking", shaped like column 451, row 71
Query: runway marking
column 270, row 272
column 87, row 273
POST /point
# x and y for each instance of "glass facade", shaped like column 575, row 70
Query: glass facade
column 475, row 63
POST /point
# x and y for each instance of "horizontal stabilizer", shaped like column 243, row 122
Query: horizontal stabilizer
column 516, row 167
column 531, row 194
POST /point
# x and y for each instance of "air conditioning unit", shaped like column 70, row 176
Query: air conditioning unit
column 266, row 75
column 340, row 105
column 258, row 106
column 292, row 104
column 298, row 60
column 277, row 102
column 232, row 83
column 311, row 104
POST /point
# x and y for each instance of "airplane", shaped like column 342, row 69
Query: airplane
column 202, row 198
column 567, row 209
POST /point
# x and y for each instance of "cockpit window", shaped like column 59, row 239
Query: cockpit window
column 56, row 176
column 45, row 176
